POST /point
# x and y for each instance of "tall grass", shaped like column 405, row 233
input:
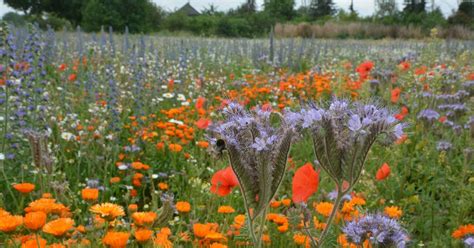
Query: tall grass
column 357, row 30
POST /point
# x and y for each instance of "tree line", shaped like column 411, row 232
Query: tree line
column 144, row 16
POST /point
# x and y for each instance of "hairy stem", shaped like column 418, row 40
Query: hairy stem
column 337, row 202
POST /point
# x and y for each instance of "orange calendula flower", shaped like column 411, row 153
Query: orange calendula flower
column 286, row 202
column 301, row 239
column 324, row 208
column 393, row 212
column 116, row 239
column 143, row 235
column 34, row 220
column 225, row 210
column 163, row 186
column 34, row 242
column 59, row 226
column 144, row 218
column 463, row 231
column 108, row 211
column 90, row 194
column 9, row 223
column 175, row 147
column 183, row 207
column 162, row 241
column 24, row 188
column 201, row 230
column 132, row 207
column 218, row 245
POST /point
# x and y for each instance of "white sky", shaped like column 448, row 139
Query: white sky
column 364, row 7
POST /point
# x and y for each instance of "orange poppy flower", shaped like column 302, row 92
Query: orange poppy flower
column 59, row 226
column 383, row 172
column 24, row 187
column 116, row 239
column 90, row 194
column 305, row 183
column 9, row 223
column 108, row 211
column 223, row 181
column 35, row 220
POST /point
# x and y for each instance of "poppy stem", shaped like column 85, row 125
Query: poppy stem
column 337, row 202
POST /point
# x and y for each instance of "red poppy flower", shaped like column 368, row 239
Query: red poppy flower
column 400, row 116
column 223, row 181
column 200, row 102
column 383, row 172
column 396, row 94
column 203, row 123
column 72, row 77
column 364, row 68
column 305, row 183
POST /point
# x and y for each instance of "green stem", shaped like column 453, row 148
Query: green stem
column 262, row 225
column 250, row 222
column 337, row 202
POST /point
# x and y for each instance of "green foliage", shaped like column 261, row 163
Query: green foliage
column 281, row 10
column 321, row 8
column 14, row 18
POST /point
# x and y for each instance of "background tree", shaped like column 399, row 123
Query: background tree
column 321, row 8
column 28, row 7
column 386, row 8
column 464, row 15
column 14, row 18
column 414, row 6
column 280, row 9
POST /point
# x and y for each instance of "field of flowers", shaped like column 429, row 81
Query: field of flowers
column 117, row 140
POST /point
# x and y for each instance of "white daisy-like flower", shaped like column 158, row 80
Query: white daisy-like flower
column 2, row 156
column 168, row 95
column 67, row 136
column 176, row 122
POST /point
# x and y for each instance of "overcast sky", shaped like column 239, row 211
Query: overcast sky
column 364, row 7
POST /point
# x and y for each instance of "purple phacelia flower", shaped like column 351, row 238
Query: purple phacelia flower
column 469, row 242
column 443, row 146
column 345, row 132
column 428, row 115
column 379, row 230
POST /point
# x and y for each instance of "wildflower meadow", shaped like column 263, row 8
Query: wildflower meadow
column 117, row 140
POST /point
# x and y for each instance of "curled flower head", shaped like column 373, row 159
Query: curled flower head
column 428, row 115
column 257, row 143
column 343, row 133
column 378, row 230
